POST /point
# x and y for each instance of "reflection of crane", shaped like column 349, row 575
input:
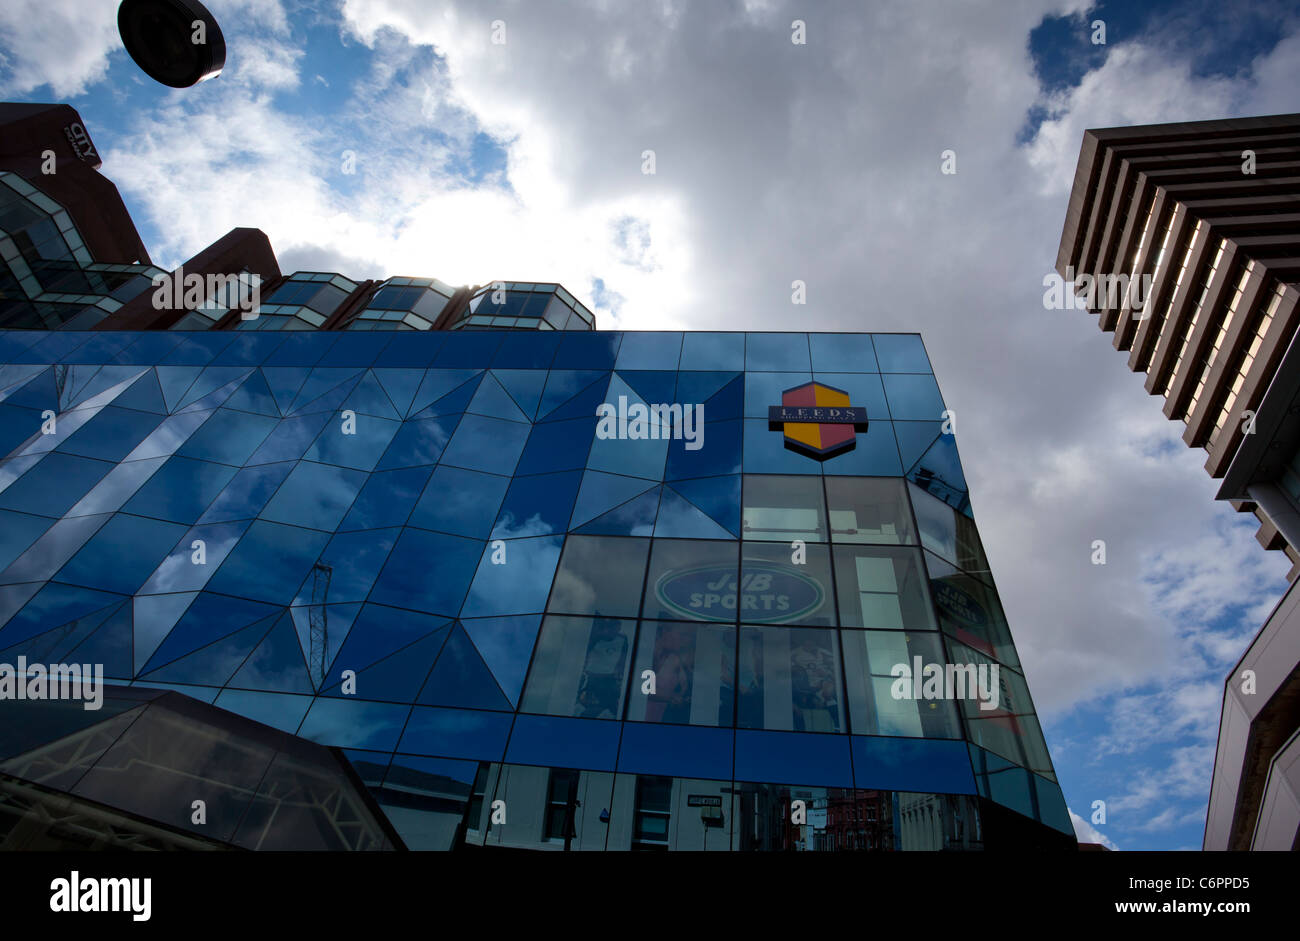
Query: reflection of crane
column 318, row 634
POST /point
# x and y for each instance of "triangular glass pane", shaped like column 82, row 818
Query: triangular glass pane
column 634, row 518
column 175, row 382
column 211, row 380
column 506, row 646
column 682, row 520
column 319, row 382
column 378, row 632
column 718, row 497
column 369, row 398
column 144, row 395
column 213, row 664
column 401, row 386
column 210, row 616
column 254, row 395
column 602, row 492
column 454, row 402
column 110, row 645
column 277, row 664
column 564, row 384
column 436, row 384
column 494, row 401
column 335, row 626
column 581, row 405
column 399, row 676
column 524, row 386
column 153, row 617
column 284, row 383
column 461, row 678
column 328, row 402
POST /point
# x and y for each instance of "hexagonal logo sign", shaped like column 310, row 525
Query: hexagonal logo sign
column 818, row 420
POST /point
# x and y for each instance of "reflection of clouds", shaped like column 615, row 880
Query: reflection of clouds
column 519, row 585
column 67, row 423
column 354, row 724
column 315, row 495
column 178, row 572
column 291, row 437
column 48, row 553
column 170, row 435
column 14, row 468
column 118, row 486
column 506, row 645
column 509, row 528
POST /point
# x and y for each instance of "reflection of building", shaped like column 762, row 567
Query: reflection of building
column 415, row 548
column 1206, row 212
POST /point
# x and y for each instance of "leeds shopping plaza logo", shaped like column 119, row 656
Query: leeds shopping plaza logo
column 817, row 420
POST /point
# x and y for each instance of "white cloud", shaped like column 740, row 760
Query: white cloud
column 1087, row 833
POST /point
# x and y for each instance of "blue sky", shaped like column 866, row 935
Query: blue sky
column 474, row 161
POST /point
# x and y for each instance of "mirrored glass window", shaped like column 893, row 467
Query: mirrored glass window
column 789, row 680
column 881, row 587
column 869, row 510
column 782, row 509
column 580, row 668
column 694, row 674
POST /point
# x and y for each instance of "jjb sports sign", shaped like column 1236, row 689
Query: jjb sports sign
column 766, row 593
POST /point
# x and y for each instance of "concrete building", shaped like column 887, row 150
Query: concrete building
column 1184, row 239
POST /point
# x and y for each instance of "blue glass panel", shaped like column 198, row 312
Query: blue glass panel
column 630, row 457
column 791, row 758
column 455, row 401
column 180, row 572
column 472, row 350
column 150, row 347
column 379, row 633
column 456, row 733
column 355, row 560
column 721, row 393
column 776, row 590
column 649, row 351
column 636, row 517
column 152, row 616
column 460, row 678
column 524, row 387
column 564, row 743
column 909, row 764
column 491, row 399
column 649, row 386
column 777, row 352
column 1051, row 805
column 39, row 393
column 228, row 437
column 460, row 501
column 766, row 453
column 874, row 454
column 357, row 441
column 526, row 351
column 400, row 385
column 122, row 554
column 537, row 505
column 601, row 493
column 680, row 519
column 914, row 398
column 486, row 444
column 514, row 576
column 301, row 349
column 360, row 349
column 277, row 664
column 842, row 352
column 368, row 397
column 315, row 495
column 387, row 498
column 180, row 490
column 290, row 439
column 676, row 750
column 506, row 645
column 428, row 572
column 247, row 492
column 900, row 352
column 278, row 710
column 764, row 389
column 270, row 562
column 168, row 436
column 564, row 385
column 143, row 395
column 50, row 551
column 249, row 348
column 254, row 396
column 354, row 724
column 214, row 663
column 112, row 434
column 587, row 351
column 1002, row 782
column 720, row 351
column 117, row 487
column 437, row 384
column 419, row 442
column 52, row 486
column 557, row 446
column 414, row 349
column 395, row 678
column 210, row 617
column 717, row 497
column 198, row 349
column 213, row 386
column 109, row 645
column 717, row 447
column 17, row 532
column 600, row 575
column 17, row 425
column 53, row 605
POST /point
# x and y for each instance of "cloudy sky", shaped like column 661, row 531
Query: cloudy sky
column 775, row 161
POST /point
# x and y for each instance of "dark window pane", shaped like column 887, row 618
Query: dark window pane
column 600, row 575
column 580, row 668
column 790, row 679
column 693, row 579
column 694, row 669
column 884, row 700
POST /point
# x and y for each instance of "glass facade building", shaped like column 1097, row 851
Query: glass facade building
column 521, row 621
